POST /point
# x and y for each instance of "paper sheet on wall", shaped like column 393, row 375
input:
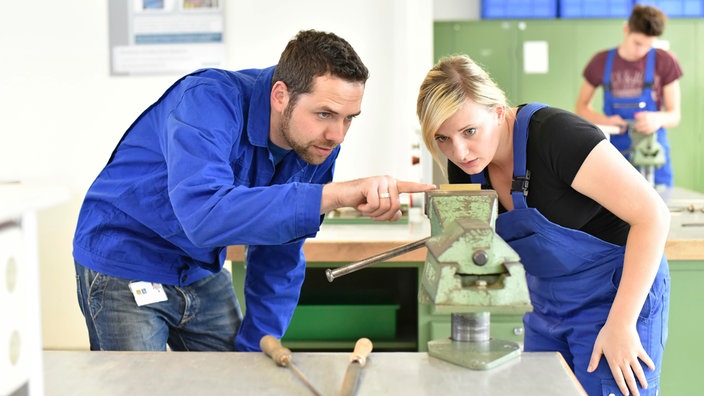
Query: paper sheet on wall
column 535, row 57
column 165, row 36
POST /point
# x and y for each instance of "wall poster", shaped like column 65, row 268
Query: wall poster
column 165, row 36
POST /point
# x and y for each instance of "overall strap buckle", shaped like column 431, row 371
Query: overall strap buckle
column 520, row 184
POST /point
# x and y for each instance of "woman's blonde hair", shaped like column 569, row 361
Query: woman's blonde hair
column 447, row 86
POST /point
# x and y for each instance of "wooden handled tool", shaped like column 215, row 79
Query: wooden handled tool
column 358, row 358
column 282, row 357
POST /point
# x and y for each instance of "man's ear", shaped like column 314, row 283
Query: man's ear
column 279, row 96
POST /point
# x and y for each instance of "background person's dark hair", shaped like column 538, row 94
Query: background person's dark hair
column 647, row 20
column 311, row 54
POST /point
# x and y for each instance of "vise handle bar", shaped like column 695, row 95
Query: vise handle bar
column 358, row 265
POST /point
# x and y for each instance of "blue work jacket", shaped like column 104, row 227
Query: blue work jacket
column 193, row 175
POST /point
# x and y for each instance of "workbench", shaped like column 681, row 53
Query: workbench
column 353, row 242
column 77, row 373
column 682, row 367
column 337, row 245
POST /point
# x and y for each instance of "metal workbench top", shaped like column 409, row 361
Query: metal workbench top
column 79, row 373
column 352, row 242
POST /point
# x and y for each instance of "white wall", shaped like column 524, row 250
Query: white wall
column 61, row 113
column 456, row 10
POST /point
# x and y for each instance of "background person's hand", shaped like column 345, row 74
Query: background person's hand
column 617, row 121
column 647, row 122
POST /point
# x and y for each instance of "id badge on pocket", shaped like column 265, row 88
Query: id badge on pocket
column 147, row 293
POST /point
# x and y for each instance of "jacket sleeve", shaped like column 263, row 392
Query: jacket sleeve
column 274, row 275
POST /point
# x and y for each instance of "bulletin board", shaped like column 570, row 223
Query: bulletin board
column 165, row 36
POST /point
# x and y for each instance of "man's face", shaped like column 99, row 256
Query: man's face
column 636, row 45
column 319, row 120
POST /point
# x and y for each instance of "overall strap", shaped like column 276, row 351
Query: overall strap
column 479, row 179
column 650, row 69
column 606, row 79
column 521, row 178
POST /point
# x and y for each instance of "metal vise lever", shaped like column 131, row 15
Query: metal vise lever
column 358, row 265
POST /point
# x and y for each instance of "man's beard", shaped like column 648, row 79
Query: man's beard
column 304, row 150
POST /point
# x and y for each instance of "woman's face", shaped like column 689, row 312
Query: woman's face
column 470, row 137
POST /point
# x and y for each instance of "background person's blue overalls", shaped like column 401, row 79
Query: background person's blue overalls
column 627, row 107
column 572, row 279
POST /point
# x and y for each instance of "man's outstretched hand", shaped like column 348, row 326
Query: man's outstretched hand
column 376, row 197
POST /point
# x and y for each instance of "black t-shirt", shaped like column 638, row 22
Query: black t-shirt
column 558, row 143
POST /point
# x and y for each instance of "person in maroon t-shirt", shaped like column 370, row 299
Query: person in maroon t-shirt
column 640, row 83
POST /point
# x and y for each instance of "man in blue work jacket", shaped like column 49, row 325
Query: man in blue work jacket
column 222, row 158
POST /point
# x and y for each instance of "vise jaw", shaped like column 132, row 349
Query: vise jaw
column 468, row 267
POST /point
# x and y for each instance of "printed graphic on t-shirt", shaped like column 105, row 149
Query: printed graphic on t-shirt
column 629, row 83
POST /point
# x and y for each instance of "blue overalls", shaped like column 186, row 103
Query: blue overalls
column 572, row 280
column 627, row 107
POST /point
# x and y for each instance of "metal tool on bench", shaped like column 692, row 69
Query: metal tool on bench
column 282, row 357
column 358, row 359
column 469, row 272
column 647, row 154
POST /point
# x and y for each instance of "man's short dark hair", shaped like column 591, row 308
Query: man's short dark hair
column 311, row 54
column 647, row 20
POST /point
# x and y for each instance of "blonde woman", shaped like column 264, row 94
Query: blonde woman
column 589, row 228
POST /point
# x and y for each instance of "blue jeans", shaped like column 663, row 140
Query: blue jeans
column 203, row 316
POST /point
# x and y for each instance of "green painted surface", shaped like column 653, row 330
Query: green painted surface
column 682, row 365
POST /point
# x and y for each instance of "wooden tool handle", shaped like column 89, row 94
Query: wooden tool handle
column 277, row 352
column 362, row 349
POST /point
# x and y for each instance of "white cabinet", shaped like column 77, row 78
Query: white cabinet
column 20, row 329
